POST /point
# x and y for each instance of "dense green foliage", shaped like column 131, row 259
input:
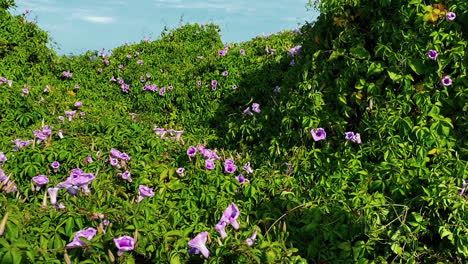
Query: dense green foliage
column 363, row 67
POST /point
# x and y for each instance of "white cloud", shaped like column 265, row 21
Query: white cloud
column 98, row 19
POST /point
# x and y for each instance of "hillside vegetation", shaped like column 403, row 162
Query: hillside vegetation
column 343, row 141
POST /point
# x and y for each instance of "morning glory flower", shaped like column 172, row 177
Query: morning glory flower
column 143, row 192
column 199, row 83
column 47, row 89
column 250, row 241
column 77, row 86
column 234, row 86
column 247, row 111
column 39, row 135
column 123, row 244
column 222, row 52
column 114, row 162
column 67, row 74
column 225, row 73
column 351, row 136
column 221, row 229
column 78, row 104
column 70, row 114
column 277, row 89
column 446, row 81
column 125, row 176
column 450, row 16
column 214, row 83
column 86, row 233
column 162, row 91
column 40, row 180
column 180, row 171
column 3, row 158
column 463, row 187
column 292, row 63
column 295, row 50
column 139, row 61
column 241, row 179
column 247, row 168
column 230, row 215
column 47, row 130
column 60, row 133
column 198, row 245
column 129, row 56
column 191, row 151
column 25, row 92
column 209, row 164
column 318, row 134
column 256, row 108
column 88, row 159
column 230, row 168
column 53, row 195
column 432, row 54
column 242, row 52
column 55, row 165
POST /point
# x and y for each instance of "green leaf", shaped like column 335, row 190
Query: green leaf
column 417, row 66
column 360, row 53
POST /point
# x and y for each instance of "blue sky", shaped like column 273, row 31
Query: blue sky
column 80, row 25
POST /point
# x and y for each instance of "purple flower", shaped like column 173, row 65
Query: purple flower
column 250, row 241
column 88, row 159
column 53, row 195
column 25, row 92
column 242, row 52
column 241, row 179
column 86, row 233
column 123, row 244
column 247, row 168
column 222, row 52
column 198, row 245
column 214, row 83
column 70, row 114
column 160, row 131
column 170, row 87
column 47, row 130
column 129, row 56
column 277, row 89
column 47, row 89
column 3, row 158
column 297, row 30
column 180, row 171
column 225, row 73
column 125, row 176
column 143, row 192
column 112, row 79
column 234, row 86
column 230, row 216
column 318, row 134
column 139, row 61
column 40, row 180
column 209, row 164
column 463, row 187
column 55, row 165
column 106, row 62
column 292, row 63
column 446, row 81
column 82, row 114
column 67, row 74
column 295, row 50
column 148, row 75
column 356, row 138
column 450, row 16
column 199, row 83
column 60, row 133
column 191, row 151
column 77, row 86
column 162, row 91
column 39, row 135
column 221, row 229
column 256, row 108
column 230, row 168
column 432, row 54
column 78, row 104
column 121, row 66
column 99, row 69
column 247, row 111
column 114, row 162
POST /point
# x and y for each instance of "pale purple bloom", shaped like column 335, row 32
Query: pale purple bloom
column 106, row 62
column 61, row 118
column 99, row 69
column 78, row 104
column 247, row 111
column 70, row 114
column 83, row 114
column 55, row 165
column 60, row 133
column 47, row 89
column 230, row 215
column 88, row 234
column 162, row 91
column 463, row 187
column 214, row 83
column 247, row 168
column 125, row 88
column 297, row 30
column 77, row 86
column 39, row 135
column 229, row 162
column 242, row 52
column 25, row 92
column 198, row 245
column 125, row 176
column 351, row 136
column 180, row 171
column 40, row 180
column 199, row 83
column 121, row 66
column 222, row 52
column 292, row 63
column 129, row 56
column 221, row 229
column 256, row 108
column 450, row 16
column 148, row 75
column 225, row 73
column 191, row 151
column 234, row 86
column 295, row 50
column 112, row 79
column 170, row 87
column 124, row 243
column 241, row 179
column 432, row 54
column 67, row 74
column 160, row 131
column 318, row 134
column 89, row 159
column 250, row 241
column 209, row 164
column 139, row 61
column 114, row 162
column 143, row 192
column 47, row 130
column 277, row 89
column 446, row 81
column 53, row 195
column 137, row 53
column 3, row 158
column 230, row 168
column 60, row 206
